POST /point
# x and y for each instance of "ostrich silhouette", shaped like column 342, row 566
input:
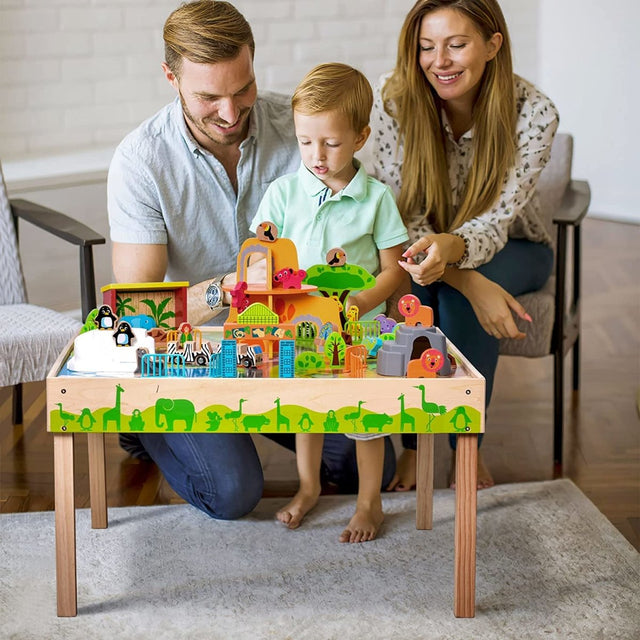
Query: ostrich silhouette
column 234, row 415
column 63, row 414
column 354, row 415
column 430, row 408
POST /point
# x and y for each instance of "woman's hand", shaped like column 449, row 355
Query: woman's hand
column 440, row 249
column 493, row 306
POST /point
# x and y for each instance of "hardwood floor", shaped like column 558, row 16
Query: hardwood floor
column 602, row 434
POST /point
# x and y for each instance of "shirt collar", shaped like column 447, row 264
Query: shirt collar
column 356, row 189
column 467, row 135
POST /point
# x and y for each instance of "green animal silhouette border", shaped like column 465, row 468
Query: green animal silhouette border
column 300, row 419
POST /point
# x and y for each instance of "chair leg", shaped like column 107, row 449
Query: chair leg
column 558, row 411
column 17, row 403
column 576, row 364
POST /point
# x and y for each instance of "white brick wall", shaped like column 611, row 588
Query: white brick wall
column 77, row 74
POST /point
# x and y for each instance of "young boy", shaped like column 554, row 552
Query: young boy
column 329, row 202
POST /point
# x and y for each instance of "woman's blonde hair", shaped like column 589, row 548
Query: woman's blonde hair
column 411, row 100
column 205, row 31
column 334, row 86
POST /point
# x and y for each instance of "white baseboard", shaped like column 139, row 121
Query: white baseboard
column 625, row 218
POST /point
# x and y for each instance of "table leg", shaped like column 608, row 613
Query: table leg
column 65, row 519
column 424, row 481
column 97, row 480
column 464, row 599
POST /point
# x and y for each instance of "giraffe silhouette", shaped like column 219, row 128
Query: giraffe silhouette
column 234, row 415
column 430, row 408
column 405, row 418
column 280, row 418
column 113, row 415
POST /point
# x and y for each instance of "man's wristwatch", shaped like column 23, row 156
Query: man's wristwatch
column 214, row 294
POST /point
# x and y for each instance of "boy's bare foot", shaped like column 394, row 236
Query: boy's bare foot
column 293, row 513
column 485, row 479
column 405, row 476
column 365, row 523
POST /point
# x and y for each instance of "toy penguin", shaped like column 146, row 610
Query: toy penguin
column 105, row 319
column 123, row 335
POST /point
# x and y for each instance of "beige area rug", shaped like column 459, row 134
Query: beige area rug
column 549, row 566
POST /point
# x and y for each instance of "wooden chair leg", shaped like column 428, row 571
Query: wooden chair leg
column 17, row 413
column 576, row 365
column 558, row 412
column 424, row 481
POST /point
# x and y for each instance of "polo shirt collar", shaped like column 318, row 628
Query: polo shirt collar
column 356, row 189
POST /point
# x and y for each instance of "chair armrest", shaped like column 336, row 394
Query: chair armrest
column 59, row 224
column 574, row 205
column 66, row 228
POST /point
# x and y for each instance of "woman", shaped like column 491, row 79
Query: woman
column 462, row 141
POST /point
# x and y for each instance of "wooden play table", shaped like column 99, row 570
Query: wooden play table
column 323, row 402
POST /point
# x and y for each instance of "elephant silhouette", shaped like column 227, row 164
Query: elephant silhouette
column 172, row 410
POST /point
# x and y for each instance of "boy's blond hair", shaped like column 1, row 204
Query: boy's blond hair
column 334, row 86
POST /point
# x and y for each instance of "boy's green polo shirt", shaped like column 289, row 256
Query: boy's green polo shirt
column 362, row 218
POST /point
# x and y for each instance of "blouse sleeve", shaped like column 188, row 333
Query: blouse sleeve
column 488, row 233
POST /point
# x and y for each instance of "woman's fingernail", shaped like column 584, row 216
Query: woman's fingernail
column 528, row 318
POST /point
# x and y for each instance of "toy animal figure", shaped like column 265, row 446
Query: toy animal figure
column 386, row 324
column 105, row 319
column 289, row 279
column 267, row 231
column 353, row 313
column 336, row 257
column 123, row 335
column 414, row 313
column 239, row 298
column 141, row 321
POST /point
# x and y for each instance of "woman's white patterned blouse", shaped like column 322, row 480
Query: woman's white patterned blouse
column 516, row 213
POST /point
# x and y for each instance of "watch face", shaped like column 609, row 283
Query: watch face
column 214, row 295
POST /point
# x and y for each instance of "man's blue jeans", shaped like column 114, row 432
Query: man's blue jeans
column 522, row 266
column 221, row 474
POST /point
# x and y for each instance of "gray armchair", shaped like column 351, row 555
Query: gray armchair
column 555, row 309
column 32, row 337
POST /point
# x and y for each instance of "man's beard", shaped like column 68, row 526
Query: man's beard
column 217, row 137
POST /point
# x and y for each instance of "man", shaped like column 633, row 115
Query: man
column 182, row 190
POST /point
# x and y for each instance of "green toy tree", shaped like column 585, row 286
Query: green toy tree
column 335, row 349
column 339, row 281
